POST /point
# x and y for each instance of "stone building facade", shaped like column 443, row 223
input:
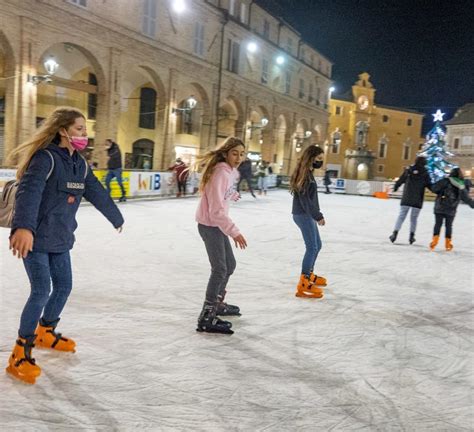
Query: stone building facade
column 164, row 78
column 367, row 140
column 460, row 138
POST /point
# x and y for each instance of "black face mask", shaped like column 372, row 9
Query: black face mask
column 317, row 164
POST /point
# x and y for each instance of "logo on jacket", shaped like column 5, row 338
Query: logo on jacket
column 71, row 199
column 72, row 185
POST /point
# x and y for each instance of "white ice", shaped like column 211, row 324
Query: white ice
column 389, row 348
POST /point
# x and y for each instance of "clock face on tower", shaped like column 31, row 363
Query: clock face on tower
column 363, row 102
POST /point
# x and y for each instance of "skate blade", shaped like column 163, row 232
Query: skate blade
column 45, row 347
column 226, row 331
column 27, row 379
column 307, row 295
column 229, row 314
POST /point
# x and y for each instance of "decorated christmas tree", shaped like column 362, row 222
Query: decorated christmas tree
column 435, row 152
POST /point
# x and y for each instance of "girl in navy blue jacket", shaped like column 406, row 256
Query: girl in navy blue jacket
column 307, row 215
column 53, row 178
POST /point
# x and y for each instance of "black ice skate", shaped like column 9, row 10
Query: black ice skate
column 224, row 309
column 208, row 322
column 393, row 237
column 412, row 238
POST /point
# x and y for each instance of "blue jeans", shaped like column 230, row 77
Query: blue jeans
column 403, row 214
column 312, row 241
column 42, row 268
column 117, row 173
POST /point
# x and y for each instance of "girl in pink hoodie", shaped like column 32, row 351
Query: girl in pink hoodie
column 215, row 227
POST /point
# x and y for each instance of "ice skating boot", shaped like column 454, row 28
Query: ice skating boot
column 306, row 288
column 225, row 309
column 449, row 245
column 20, row 364
column 208, row 322
column 393, row 237
column 318, row 280
column 434, row 242
column 48, row 338
column 412, row 238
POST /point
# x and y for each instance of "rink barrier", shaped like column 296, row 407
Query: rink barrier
column 141, row 183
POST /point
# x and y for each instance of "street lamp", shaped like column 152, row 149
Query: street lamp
column 308, row 133
column 264, row 122
column 252, row 47
column 191, row 103
column 51, row 66
column 179, row 6
column 280, row 60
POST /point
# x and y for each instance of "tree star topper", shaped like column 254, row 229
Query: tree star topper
column 438, row 116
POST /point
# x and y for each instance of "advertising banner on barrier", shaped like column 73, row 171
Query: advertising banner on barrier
column 152, row 183
column 114, row 186
column 337, row 185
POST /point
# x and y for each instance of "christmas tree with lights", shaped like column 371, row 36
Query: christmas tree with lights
column 435, row 152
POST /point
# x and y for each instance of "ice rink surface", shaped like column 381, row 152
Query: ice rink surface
column 389, row 348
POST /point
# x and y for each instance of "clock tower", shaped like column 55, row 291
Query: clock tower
column 363, row 93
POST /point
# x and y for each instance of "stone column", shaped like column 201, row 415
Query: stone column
column 108, row 106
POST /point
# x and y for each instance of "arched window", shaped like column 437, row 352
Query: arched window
column 383, row 146
column 336, row 138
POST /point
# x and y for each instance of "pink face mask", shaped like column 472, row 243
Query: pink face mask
column 79, row 143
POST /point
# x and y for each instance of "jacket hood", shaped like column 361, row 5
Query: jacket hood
column 457, row 182
column 62, row 152
column 223, row 166
column 413, row 169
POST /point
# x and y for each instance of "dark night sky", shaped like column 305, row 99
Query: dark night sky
column 419, row 53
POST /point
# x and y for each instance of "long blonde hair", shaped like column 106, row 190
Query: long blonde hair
column 61, row 117
column 300, row 176
column 213, row 157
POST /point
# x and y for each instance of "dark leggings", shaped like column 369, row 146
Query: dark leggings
column 439, row 223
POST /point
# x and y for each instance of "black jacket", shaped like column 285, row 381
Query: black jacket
column 48, row 207
column 306, row 202
column 450, row 191
column 415, row 180
column 115, row 157
column 245, row 169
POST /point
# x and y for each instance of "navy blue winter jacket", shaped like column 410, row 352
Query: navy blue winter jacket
column 48, row 207
column 307, row 202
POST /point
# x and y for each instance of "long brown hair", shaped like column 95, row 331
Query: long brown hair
column 62, row 117
column 300, row 176
column 213, row 157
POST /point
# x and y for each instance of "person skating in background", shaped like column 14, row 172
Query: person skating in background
column 114, row 167
column 450, row 191
column 307, row 216
column 181, row 172
column 245, row 170
column 217, row 188
column 53, row 178
column 415, row 178
column 263, row 171
column 327, row 181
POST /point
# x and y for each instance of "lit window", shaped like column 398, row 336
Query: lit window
column 149, row 18
column 199, row 39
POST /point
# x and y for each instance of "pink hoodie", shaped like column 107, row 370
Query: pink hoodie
column 213, row 209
